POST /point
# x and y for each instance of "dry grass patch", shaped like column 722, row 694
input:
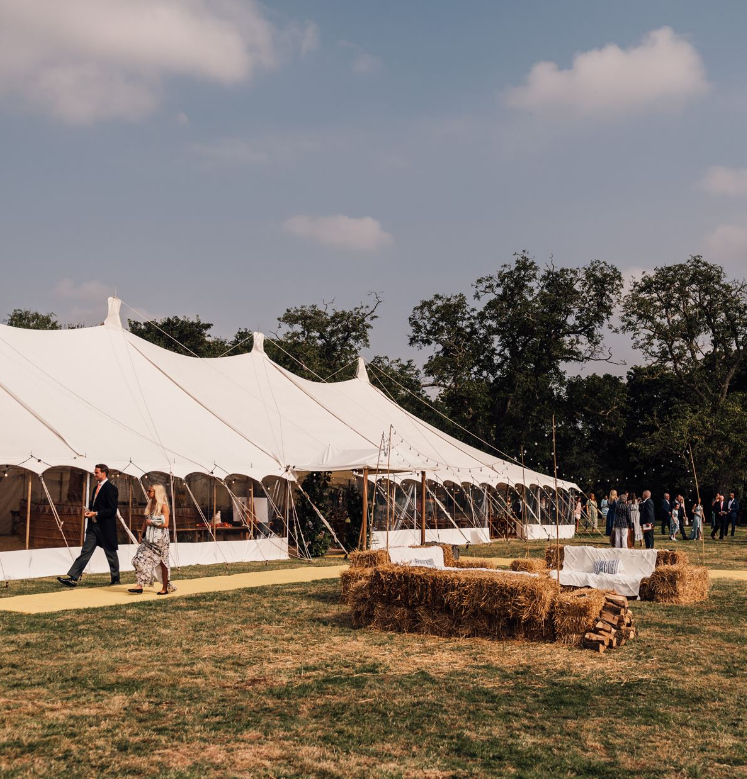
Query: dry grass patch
column 276, row 682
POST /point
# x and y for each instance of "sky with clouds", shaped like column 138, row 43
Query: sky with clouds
column 231, row 159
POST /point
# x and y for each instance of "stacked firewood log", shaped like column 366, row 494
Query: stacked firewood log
column 614, row 626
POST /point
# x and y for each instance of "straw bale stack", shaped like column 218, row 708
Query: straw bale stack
column 576, row 613
column 681, row 584
column 486, row 604
column 475, row 562
column 464, row 603
column 529, row 564
column 369, row 558
column 671, row 557
column 349, row 578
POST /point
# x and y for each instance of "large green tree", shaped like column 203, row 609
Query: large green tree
column 181, row 334
column 500, row 364
column 323, row 342
column 690, row 322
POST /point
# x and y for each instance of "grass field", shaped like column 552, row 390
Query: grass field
column 274, row 682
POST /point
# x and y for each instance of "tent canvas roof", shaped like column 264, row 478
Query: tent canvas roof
column 101, row 394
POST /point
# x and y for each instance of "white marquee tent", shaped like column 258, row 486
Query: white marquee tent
column 101, row 394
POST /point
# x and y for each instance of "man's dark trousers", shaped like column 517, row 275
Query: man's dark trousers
column 101, row 530
column 648, row 538
column 89, row 547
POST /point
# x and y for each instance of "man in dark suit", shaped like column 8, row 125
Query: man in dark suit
column 101, row 529
column 666, row 514
column 647, row 519
column 733, row 508
column 722, row 517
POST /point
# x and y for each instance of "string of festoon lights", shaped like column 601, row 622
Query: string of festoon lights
column 437, row 464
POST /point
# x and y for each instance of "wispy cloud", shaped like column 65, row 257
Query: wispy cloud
column 363, row 63
column 662, row 72
column 230, row 152
column 90, row 291
column 727, row 245
column 342, row 232
column 84, row 61
column 719, row 180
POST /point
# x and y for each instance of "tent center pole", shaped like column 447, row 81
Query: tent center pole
column 364, row 525
column 28, row 509
column 422, row 508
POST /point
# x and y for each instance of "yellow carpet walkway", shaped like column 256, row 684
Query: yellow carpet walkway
column 99, row 597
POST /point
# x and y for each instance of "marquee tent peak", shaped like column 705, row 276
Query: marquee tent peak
column 361, row 372
column 113, row 318
column 258, row 347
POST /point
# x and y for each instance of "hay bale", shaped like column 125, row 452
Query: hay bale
column 351, row 577
column 529, row 564
column 671, row 557
column 438, row 623
column 475, row 562
column 398, row 619
column 488, row 603
column 681, row 584
column 369, row 558
column 575, row 613
column 360, row 602
column 551, row 554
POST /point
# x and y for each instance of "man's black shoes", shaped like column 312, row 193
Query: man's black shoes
column 69, row 582
column 114, row 581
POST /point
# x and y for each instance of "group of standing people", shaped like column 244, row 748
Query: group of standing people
column 723, row 514
column 630, row 521
column 151, row 560
column 674, row 518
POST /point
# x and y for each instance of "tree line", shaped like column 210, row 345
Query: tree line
column 526, row 345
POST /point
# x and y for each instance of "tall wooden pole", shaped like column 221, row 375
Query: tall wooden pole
column 422, row 507
column 702, row 510
column 129, row 500
column 28, row 509
column 364, row 524
column 173, row 507
column 86, row 498
column 524, row 517
column 215, row 505
column 557, row 501
column 251, row 507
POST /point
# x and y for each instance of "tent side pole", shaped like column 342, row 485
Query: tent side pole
column 364, row 524
column 251, row 506
column 87, row 492
column 422, row 508
column 287, row 506
column 215, row 504
column 173, row 508
column 129, row 501
column 28, row 509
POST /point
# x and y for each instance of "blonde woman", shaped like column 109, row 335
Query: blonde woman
column 151, row 561
column 610, row 518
